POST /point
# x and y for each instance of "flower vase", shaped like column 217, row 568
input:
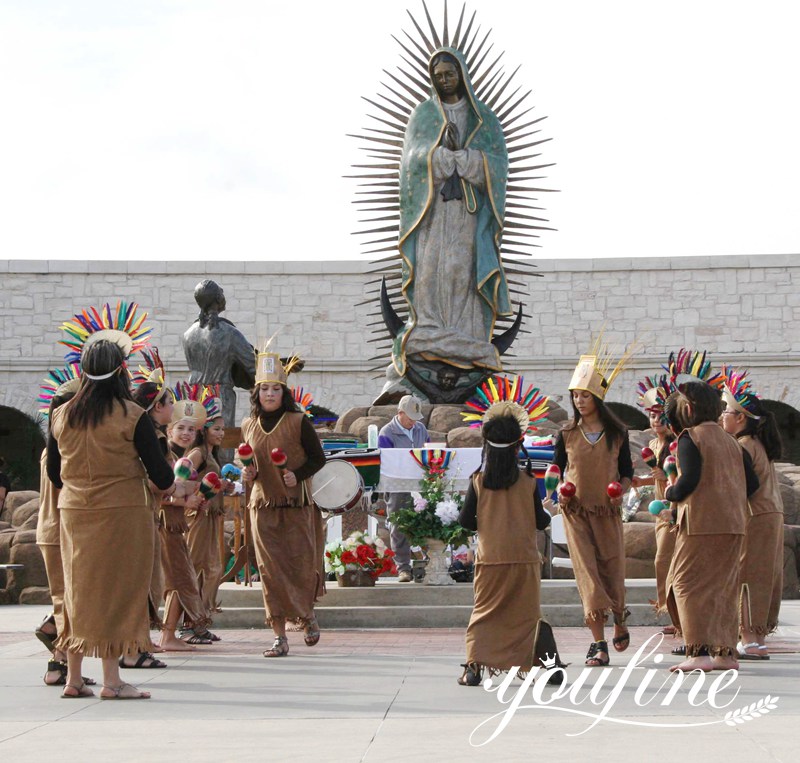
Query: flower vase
column 355, row 579
column 436, row 570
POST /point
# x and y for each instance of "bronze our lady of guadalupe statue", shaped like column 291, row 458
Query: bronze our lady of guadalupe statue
column 450, row 155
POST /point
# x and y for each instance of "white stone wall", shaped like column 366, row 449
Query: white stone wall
column 743, row 309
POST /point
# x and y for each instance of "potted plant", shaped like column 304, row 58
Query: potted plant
column 358, row 560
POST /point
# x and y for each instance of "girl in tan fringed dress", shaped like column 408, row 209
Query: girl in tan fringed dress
column 502, row 504
column 762, row 561
column 592, row 451
column 652, row 391
column 182, row 602
column 287, row 528
column 100, row 452
column 205, row 526
column 715, row 476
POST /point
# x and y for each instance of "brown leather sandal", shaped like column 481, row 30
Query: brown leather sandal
column 473, row 672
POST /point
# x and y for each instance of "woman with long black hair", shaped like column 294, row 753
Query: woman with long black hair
column 101, row 450
column 592, row 451
column 502, row 504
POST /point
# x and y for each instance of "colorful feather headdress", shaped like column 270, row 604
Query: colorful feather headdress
column 504, row 396
column 212, row 402
column 303, row 400
column 592, row 372
column 122, row 326
column 692, row 366
column 653, row 392
column 738, row 393
column 188, row 405
column 58, row 382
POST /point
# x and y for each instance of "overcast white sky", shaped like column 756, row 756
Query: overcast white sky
column 215, row 129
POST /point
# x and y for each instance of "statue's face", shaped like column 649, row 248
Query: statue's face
column 446, row 79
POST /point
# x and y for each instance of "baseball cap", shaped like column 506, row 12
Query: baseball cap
column 411, row 406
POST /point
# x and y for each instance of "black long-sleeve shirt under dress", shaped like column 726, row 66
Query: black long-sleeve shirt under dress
column 147, row 447
column 692, row 468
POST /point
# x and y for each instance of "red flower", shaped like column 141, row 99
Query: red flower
column 348, row 557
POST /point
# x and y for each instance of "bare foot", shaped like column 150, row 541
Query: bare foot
column 724, row 663
column 171, row 644
column 704, row 663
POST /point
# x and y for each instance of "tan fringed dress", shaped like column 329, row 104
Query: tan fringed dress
column 502, row 628
column 48, row 538
column 665, row 534
column 287, row 528
column 203, row 541
column 180, row 579
column 762, row 559
column 106, row 535
column 594, row 527
column 703, row 590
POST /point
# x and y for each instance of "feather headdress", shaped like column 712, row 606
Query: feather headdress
column 273, row 369
column 738, row 393
column 653, row 392
column 504, row 396
column 303, row 400
column 188, row 405
column 212, row 402
column 58, row 382
column 692, row 366
column 122, row 326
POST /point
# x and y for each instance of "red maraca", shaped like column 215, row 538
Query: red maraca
column 670, row 467
column 278, row 457
column 649, row 457
column 210, row 485
column 551, row 478
column 614, row 490
column 673, row 447
column 245, row 453
column 568, row 490
column 183, row 469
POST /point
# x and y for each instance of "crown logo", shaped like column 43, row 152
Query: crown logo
column 549, row 661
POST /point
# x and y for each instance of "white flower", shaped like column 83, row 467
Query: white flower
column 447, row 511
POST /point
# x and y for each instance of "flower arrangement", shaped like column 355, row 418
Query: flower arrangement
column 435, row 508
column 359, row 551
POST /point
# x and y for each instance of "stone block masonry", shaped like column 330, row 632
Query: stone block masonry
column 743, row 309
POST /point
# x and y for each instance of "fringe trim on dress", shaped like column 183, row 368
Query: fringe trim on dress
column 713, row 650
column 104, row 649
column 598, row 510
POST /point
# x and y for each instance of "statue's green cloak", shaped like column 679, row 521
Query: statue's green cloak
column 423, row 134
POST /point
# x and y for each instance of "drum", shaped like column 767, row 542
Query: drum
column 337, row 487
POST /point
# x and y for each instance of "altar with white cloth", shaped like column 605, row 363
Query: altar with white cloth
column 400, row 473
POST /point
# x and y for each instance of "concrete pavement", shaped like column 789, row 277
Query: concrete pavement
column 383, row 695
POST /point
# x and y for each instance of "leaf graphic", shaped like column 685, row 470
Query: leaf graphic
column 752, row 711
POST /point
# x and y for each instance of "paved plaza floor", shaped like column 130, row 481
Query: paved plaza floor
column 391, row 695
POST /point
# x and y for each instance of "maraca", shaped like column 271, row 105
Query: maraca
column 245, row 453
column 230, row 472
column 183, row 469
column 649, row 457
column 673, row 447
column 194, row 476
column 278, row 457
column 614, row 490
column 568, row 490
column 210, row 485
column 670, row 467
column 656, row 507
column 551, row 478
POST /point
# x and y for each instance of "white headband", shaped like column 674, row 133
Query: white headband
column 501, row 444
column 103, row 376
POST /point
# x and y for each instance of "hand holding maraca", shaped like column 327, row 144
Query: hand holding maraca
column 614, row 490
column 566, row 492
column 278, row 457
